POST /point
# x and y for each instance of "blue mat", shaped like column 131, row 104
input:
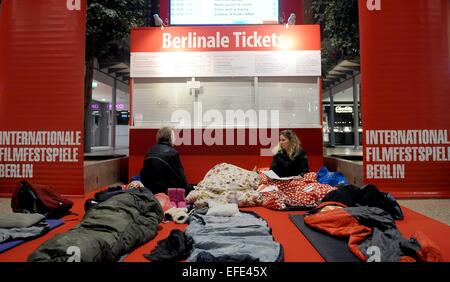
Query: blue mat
column 332, row 249
column 53, row 223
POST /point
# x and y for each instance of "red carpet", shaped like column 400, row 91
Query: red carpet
column 296, row 246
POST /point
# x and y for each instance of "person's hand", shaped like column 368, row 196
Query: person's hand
column 255, row 168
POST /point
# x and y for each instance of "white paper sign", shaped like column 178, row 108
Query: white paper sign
column 225, row 64
column 272, row 175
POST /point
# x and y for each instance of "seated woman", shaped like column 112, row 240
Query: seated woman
column 162, row 167
column 290, row 159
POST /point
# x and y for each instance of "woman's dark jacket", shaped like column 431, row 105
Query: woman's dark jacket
column 162, row 169
column 283, row 166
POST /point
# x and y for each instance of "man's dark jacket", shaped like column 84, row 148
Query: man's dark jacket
column 162, row 169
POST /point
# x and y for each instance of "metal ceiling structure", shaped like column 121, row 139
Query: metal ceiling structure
column 344, row 70
column 120, row 69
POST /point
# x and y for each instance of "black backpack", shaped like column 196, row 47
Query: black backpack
column 30, row 198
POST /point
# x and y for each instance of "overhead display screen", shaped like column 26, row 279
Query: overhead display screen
column 223, row 12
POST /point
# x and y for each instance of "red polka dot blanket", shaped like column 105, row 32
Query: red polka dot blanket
column 298, row 192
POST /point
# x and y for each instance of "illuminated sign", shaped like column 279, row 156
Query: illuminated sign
column 218, row 40
column 217, row 12
column 343, row 110
column 119, row 107
column 232, row 51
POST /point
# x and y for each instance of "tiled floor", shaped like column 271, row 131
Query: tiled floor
column 105, row 151
column 438, row 209
column 342, row 150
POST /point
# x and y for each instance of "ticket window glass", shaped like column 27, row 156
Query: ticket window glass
column 155, row 100
column 227, row 96
column 296, row 99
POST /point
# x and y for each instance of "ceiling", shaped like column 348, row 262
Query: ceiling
column 342, row 71
column 118, row 70
column 343, row 96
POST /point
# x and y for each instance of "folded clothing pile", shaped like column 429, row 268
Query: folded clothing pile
column 372, row 234
column 14, row 226
column 222, row 234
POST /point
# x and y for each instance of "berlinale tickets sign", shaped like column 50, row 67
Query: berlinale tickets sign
column 41, row 93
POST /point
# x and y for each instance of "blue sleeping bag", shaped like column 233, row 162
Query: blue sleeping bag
column 325, row 176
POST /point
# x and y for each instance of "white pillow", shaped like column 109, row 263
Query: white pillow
column 224, row 210
column 212, row 203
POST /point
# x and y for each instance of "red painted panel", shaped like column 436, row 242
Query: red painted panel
column 41, row 83
column 299, row 37
column 405, row 86
column 130, row 123
column 197, row 160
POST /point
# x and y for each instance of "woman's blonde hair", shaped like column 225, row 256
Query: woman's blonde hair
column 294, row 143
column 164, row 134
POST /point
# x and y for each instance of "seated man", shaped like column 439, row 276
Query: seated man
column 162, row 167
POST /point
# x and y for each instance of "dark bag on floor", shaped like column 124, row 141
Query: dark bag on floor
column 31, row 198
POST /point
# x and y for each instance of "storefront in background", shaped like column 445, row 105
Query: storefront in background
column 343, row 124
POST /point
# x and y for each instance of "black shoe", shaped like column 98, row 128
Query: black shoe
column 89, row 204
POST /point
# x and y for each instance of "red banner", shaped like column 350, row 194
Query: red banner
column 405, row 96
column 226, row 38
column 41, row 93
